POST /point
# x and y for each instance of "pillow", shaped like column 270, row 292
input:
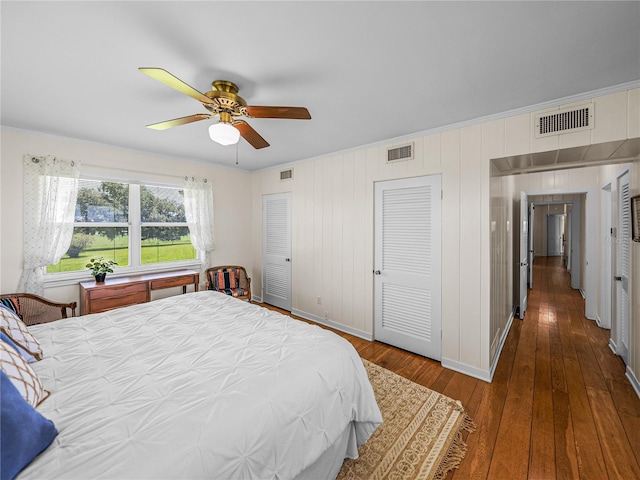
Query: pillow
column 24, row 431
column 26, row 355
column 13, row 304
column 225, row 279
column 15, row 329
column 21, row 375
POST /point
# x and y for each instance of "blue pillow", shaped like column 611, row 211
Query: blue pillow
column 24, row 432
column 26, row 355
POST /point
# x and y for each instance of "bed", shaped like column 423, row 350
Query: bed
column 201, row 385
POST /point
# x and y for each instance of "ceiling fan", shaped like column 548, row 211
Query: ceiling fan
column 223, row 101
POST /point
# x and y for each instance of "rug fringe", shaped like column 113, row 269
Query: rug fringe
column 457, row 450
column 468, row 425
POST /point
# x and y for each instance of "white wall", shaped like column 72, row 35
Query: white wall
column 332, row 221
column 232, row 219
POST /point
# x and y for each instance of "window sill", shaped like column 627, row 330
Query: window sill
column 53, row 280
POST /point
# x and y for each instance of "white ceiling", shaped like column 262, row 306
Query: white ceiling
column 367, row 71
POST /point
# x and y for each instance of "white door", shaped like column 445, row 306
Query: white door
column 532, row 211
column 554, row 234
column 569, row 240
column 605, row 258
column 276, row 250
column 408, row 265
column 623, row 267
column 524, row 251
column 576, row 244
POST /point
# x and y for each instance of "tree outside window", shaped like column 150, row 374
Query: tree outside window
column 158, row 234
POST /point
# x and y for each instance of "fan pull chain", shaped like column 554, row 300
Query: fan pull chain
column 237, row 153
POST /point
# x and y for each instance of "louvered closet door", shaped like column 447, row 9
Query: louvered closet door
column 623, row 267
column 276, row 250
column 407, row 264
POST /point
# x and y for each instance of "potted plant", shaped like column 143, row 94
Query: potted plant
column 100, row 267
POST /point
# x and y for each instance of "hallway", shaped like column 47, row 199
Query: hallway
column 568, row 411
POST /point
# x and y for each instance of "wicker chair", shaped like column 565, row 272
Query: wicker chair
column 35, row 309
column 230, row 279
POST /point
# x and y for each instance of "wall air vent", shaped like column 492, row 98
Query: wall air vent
column 404, row 152
column 569, row 120
column 286, row 174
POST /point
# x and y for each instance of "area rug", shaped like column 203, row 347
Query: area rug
column 420, row 437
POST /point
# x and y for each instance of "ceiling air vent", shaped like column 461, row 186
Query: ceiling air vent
column 569, row 120
column 404, row 152
column 286, row 174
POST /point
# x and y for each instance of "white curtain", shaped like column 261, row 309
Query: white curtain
column 198, row 208
column 50, row 194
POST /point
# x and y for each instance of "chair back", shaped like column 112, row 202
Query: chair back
column 33, row 309
column 229, row 279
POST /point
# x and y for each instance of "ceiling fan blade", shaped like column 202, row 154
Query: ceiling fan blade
column 172, row 81
column 180, row 121
column 250, row 135
column 297, row 113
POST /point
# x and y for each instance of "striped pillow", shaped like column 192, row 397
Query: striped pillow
column 227, row 280
column 13, row 304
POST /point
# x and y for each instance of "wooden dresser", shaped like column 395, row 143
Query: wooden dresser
column 124, row 291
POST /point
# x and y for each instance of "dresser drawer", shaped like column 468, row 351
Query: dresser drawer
column 118, row 290
column 121, row 299
column 172, row 282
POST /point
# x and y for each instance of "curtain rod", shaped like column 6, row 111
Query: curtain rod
column 140, row 172
column 41, row 158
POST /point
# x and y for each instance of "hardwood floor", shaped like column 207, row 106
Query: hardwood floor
column 559, row 405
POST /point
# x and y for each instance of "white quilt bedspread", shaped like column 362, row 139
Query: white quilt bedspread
column 200, row 385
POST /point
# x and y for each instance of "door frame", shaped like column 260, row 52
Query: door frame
column 524, row 232
column 532, row 254
column 590, row 291
column 606, row 258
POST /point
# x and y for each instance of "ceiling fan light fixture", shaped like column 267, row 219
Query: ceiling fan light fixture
column 223, row 101
column 224, row 133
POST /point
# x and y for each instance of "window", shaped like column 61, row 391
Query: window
column 164, row 231
column 141, row 227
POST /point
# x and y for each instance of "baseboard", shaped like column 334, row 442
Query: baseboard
column 334, row 325
column 613, row 347
column 467, row 369
column 326, row 323
column 598, row 322
column 503, row 339
column 584, row 295
column 634, row 380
